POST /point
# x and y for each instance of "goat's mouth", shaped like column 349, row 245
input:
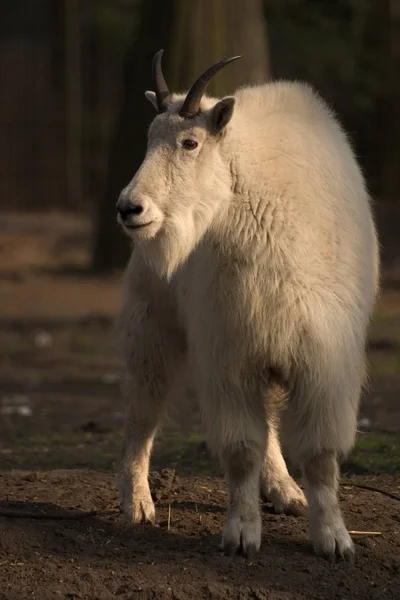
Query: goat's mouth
column 137, row 226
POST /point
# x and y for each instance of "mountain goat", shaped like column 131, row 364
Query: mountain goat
column 254, row 273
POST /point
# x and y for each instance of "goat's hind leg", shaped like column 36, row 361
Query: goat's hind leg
column 276, row 484
column 320, row 424
column 327, row 527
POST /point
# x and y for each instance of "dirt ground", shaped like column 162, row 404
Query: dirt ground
column 61, row 415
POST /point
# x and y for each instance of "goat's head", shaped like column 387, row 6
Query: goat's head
column 185, row 177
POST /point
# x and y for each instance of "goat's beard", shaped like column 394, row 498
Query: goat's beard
column 176, row 240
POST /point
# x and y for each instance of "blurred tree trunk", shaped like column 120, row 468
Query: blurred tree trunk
column 207, row 30
column 194, row 35
column 387, row 130
column 390, row 129
column 73, row 102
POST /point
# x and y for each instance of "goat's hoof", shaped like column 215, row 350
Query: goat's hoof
column 242, row 536
column 333, row 541
column 286, row 497
column 138, row 506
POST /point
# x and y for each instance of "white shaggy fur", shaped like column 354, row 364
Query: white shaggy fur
column 254, row 275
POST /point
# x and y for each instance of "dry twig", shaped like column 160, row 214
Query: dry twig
column 353, row 532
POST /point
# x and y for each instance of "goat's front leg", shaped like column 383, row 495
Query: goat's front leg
column 152, row 358
column 143, row 413
column 235, row 425
column 242, row 531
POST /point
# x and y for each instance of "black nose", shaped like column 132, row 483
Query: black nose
column 126, row 208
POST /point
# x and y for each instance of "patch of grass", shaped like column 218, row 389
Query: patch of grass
column 180, row 448
column 175, row 447
column 374, row 454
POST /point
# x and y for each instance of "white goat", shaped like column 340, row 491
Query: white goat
column 254, row 271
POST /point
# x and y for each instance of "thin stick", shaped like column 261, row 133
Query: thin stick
column 169, row 517
column 365, row 532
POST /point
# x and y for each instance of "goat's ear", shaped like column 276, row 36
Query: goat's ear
column 152, row 98
column 222, row 113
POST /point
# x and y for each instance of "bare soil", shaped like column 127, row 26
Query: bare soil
column 61, row 531
column 101, row 557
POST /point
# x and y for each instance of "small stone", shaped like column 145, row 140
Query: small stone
column 43, row 339
column 364, row 423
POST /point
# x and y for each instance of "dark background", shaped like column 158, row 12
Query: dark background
column 72, row 76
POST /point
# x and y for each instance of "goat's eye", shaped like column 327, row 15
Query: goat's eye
column 189, row 144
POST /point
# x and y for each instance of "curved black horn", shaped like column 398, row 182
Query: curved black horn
column 191, row 105
column 162, row 91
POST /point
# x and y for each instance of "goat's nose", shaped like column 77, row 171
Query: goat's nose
column 126, row 208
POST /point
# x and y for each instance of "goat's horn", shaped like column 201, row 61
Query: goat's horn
column 162, row 91
column 191, row 105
